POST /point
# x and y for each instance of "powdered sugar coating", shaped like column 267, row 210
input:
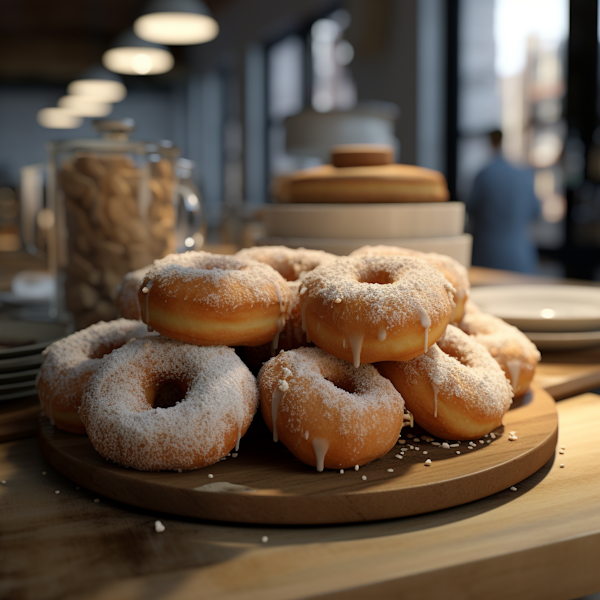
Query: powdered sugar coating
column 498, row 337
column 411, row 287
column 316, row 404
column 451, row 269
column 290, row 263
column 458, row 365
column 512, row 349
column 233, row 281
column 69, row 362
column 127, row 295
column 217, row 409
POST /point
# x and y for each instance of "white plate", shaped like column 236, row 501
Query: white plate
column 458, row 247
column 376, row 221
column 27, row 337
column 551, row 308
column 564, row 341
column 21, row 363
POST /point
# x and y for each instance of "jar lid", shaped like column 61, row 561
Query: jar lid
column 115, row 138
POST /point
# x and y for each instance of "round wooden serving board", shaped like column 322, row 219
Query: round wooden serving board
column 266, row 484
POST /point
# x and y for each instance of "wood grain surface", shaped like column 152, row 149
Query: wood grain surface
column 541, row 541
column 276, row 488
column 18, row 418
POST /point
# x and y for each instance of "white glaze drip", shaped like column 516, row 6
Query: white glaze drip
column 426, row 323
column 408, row 416
column 382, row 334
column 275, row 400
column 306, row 435
column 148, row 287
column 304, row 327
column 280, row 322
column 514, row 368
column 320, row 446
column 356, row 342
column 436, row 390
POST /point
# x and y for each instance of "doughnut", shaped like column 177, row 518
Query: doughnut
column 357, row 155
column 372, row 308
column 292, row 265
column 70, row 362
column 209, row 299
column 327, row 413
column 451, row 269
column 127, row 295
column 515, row 353
column 157, row 404
column 456, row 391
column 381, row 183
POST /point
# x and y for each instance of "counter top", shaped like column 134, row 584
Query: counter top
column 540, row 541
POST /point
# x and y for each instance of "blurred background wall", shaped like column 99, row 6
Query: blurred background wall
column 454, row 70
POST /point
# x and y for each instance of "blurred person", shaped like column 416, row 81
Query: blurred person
column 502, row 207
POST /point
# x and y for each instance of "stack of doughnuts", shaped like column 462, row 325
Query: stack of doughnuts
column 345, row 346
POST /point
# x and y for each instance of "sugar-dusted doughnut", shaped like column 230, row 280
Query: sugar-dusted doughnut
column 326, row 412
column 372, row 308
column 456, row 391
column 382, row 183
column 127, row 294
column 292, row 264
column 513, row 350
column 158, row 404
column 451, row 269
column 209, row 299
column 69, row 363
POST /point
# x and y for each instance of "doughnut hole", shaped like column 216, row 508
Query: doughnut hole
column 379, row 277
column 343, row 383
column 166, row 392
column 101, row 350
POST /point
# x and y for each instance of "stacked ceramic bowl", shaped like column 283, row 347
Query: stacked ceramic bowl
column 363, row 198
column 21, row 347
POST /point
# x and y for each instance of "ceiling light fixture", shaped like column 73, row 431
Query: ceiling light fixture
column 132, row 56
column 84, row 106
column 99, row 83
column 176, row 23
column 58, row 118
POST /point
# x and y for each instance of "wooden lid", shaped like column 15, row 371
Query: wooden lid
column 379, row 183
column 361, row 155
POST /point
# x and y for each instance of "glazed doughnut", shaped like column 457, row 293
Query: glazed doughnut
column 515, row 353
column 69, row 363
column 208, row 299
column 456, row 391
column 381, row 183
column 451, row 269
column 292, row 265
column 127, row 295
column 372, row 308
column 158, row 404
column 326, row 412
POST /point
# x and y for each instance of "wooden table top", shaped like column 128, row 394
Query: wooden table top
column 541, row 541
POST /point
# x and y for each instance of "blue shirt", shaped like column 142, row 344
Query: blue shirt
column 502, row 206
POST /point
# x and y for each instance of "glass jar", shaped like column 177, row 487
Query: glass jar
column 117, row 204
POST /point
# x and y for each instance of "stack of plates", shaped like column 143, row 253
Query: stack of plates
column 554, row 317
column 342, row 228
column 21, row 346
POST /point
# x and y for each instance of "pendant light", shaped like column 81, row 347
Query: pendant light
column 176, row 23
column 58, row 118
column 84, row 106
column 129, row 55
column 100, row 84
